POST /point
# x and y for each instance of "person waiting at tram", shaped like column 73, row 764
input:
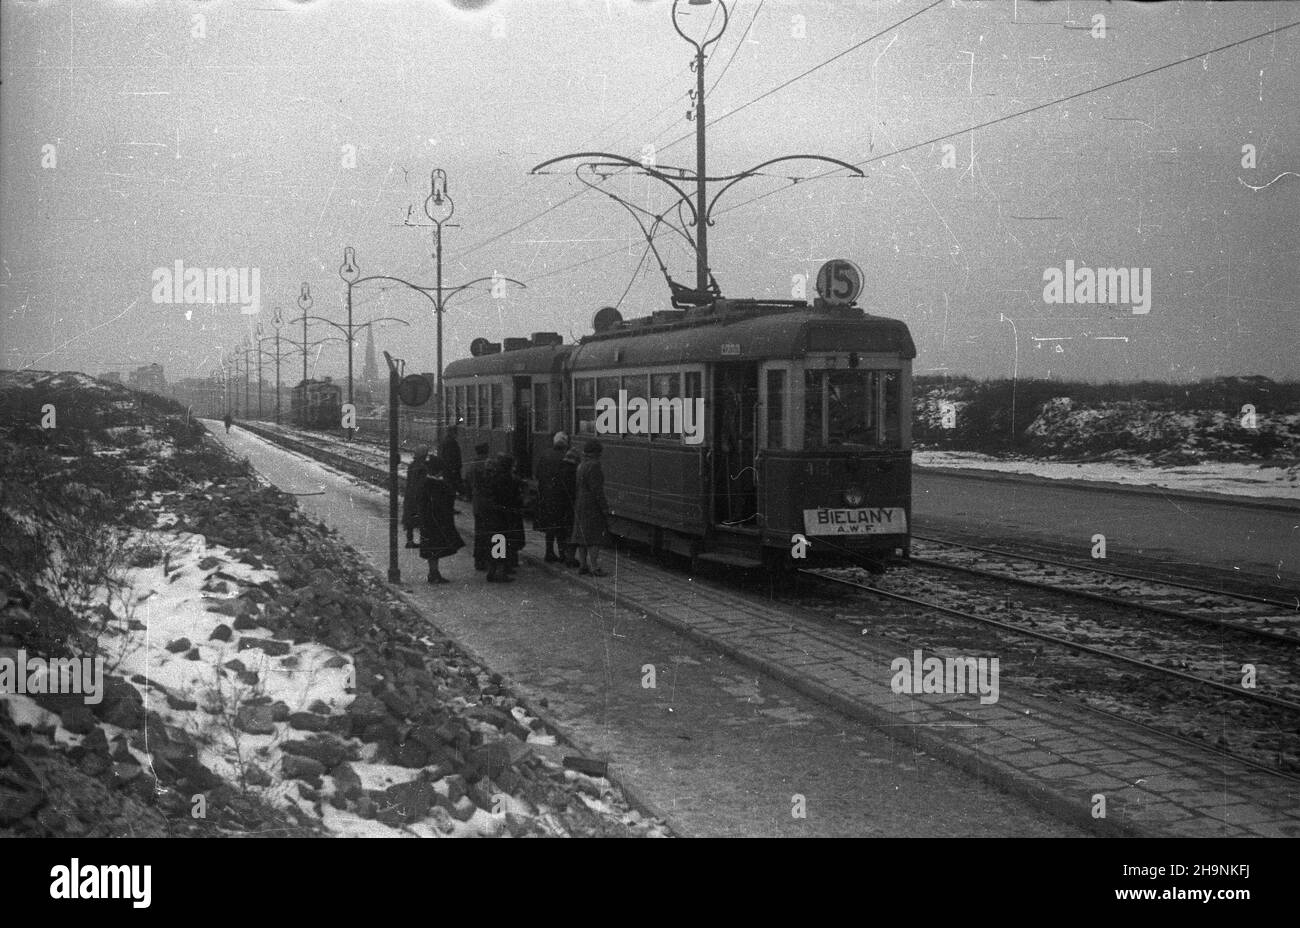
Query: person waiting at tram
column 480, row 489
column 590, row 511
column 438, row 535
column 554, row 499
column 415, row 472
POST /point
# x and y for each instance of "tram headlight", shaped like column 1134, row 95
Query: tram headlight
column 854, row 496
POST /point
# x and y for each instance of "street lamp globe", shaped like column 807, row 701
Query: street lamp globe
column 349, row 270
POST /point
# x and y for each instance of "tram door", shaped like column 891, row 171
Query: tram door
column 735, row 405
column 522, row 437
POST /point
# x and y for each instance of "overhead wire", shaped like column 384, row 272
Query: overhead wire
column 803, row 74
column 1032, row 109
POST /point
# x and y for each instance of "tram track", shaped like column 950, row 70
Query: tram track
column 1260, row 616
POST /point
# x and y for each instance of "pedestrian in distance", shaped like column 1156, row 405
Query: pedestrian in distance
column 590, row 511
column 229, row 420
column 438, row 535
column 449, row 452
column 415, row 473
column 554, row 504
column 481, row 493
column 569, row 484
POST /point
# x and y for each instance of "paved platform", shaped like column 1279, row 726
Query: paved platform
column 716, row 747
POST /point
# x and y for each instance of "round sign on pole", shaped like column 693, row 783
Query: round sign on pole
column 839, row 282
column 414, row 390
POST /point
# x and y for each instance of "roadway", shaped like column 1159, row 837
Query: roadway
column 1210, row 537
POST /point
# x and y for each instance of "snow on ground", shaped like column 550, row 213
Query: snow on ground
column 1210, row 477
column 166, row 605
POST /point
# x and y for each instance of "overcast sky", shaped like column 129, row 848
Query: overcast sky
column 135, row 135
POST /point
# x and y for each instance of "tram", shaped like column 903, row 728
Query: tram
column 803, row 454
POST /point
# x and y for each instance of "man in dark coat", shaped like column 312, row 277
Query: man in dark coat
column 553, row 503
column 508, row 515
column 415, row 472
column 229, row 420
column 449, row 452
column 438, row 535
column 481, row 492
column 590, row 510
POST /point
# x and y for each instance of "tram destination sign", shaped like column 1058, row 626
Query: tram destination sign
column 839, row 282
column 882, row 521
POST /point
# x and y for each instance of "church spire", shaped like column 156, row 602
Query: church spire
column 370, row 371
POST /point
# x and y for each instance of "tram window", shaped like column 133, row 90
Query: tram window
column 541, row 407
column 893, row 407
column 498, row 414
column 607, row 388
column 814, row 428
column 484, row 406
column 775, row 408
column 471, row 415
column 635, row 386
column 460, row 405
column 667, row 387
column 584, row 406
column 842, row 407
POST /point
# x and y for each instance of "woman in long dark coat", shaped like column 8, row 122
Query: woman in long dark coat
column 590, row 511
column 438, row 535
column 414, row 490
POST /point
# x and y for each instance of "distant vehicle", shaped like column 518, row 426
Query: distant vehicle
column 806, row 431
column 317, row 404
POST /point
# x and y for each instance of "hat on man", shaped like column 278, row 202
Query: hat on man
column 560, row 440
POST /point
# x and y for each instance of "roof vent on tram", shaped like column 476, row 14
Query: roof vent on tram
column 547, row 338
column 606, row 318
column 517, row 344
column 481, row 346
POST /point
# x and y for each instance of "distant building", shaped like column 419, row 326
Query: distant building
column 111, row 377
column 149, row 377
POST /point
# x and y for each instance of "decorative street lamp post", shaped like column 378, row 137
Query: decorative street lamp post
column 702, row 227
column 698, row 207
column 258, row 335
column 304, row 304
column 276, row 322
column 439, row 204
column 349, row 271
